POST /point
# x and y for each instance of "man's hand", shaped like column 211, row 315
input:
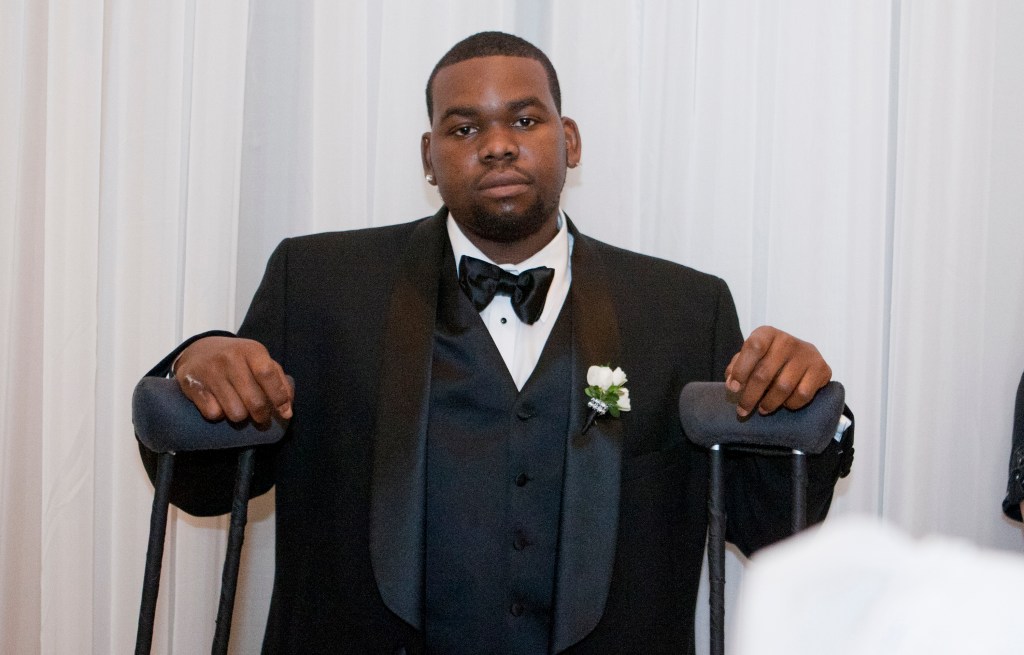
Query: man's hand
column 235, row 378
column 775, row 369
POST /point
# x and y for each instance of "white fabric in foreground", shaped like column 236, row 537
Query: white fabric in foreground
column 859, row 586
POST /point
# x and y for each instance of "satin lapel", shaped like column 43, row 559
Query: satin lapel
column 397, row 510
column 590, row 500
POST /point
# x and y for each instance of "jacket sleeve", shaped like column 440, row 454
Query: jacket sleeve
column 1015, row 478
column 204, row 480
column 758, row 486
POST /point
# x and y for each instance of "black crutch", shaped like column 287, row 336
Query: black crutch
column 708, row 414
column 167, row 422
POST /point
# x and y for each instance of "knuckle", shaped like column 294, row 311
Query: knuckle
column 785, row 386
column 803, row 394
column 787, row 342
column 222, row 359
column 757, row 346
column 264, row 370
column 236, row 412
column 254, row 399
column 253, row 347
column 208, row 406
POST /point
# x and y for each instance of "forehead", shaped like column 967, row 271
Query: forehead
column 490, row 83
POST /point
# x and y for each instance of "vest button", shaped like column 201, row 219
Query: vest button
column 525, row 412
column 520, row 542
column 516, row 609
column 522, row 479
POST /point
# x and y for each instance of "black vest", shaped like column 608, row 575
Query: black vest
column 495, row 461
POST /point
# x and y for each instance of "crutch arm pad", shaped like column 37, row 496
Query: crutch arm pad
column 167, row 421
column 708, row 413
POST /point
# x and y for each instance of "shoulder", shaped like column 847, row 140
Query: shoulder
column 358, row 240
column 362, row 249
column 634, row 270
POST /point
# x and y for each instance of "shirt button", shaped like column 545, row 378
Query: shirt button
column 516, row 609
column 522, row 479
column 504, row 320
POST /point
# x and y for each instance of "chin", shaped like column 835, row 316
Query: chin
column 510, row 226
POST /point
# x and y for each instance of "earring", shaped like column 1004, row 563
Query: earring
column 430, row 179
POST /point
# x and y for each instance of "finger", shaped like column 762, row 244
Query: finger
column 754, row 348
column 271, row 378
column 798, row 380
column 196, row 391
column 256, row 404
column 731, row 383
column 788, row 384
column 757, row 383
column 813, row 380
column 227, row 394
column 759, row 362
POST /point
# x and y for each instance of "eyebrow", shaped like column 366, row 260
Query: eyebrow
column 532, row 101
column 473, row 112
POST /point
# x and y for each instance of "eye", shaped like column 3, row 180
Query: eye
column 525, row 121
column 464, row 130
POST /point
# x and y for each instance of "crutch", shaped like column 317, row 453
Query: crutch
column 167, row 422
column 708, row 414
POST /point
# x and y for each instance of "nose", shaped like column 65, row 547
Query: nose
column 499, row 143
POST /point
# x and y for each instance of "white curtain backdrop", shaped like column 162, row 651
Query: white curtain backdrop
column 853, row 169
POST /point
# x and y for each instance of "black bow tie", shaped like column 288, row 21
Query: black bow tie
column 481, row 281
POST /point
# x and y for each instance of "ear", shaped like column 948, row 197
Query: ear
column 573, row 143
column 428, row 167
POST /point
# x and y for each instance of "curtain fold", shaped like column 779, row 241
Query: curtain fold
column 852, row 169
column 22, row 171
column 70, row 258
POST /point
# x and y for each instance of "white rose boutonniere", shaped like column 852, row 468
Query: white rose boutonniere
column 607, row 393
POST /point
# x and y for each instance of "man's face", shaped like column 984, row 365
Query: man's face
column 497, row 148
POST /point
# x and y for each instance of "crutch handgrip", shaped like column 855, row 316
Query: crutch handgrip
column 166, row 421
column 708, row 413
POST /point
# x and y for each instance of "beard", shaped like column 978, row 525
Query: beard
column 509, row 227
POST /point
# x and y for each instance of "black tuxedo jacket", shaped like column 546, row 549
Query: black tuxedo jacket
column 351, row 317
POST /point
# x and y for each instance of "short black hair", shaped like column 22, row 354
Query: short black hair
column 494, row 44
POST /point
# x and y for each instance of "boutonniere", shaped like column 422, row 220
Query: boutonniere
column 607, row 392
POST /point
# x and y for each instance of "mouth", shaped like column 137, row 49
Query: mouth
column 503, row 184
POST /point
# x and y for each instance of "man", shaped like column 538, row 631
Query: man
column 437, row 491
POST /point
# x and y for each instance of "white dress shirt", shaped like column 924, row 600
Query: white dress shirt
column 520, row 344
